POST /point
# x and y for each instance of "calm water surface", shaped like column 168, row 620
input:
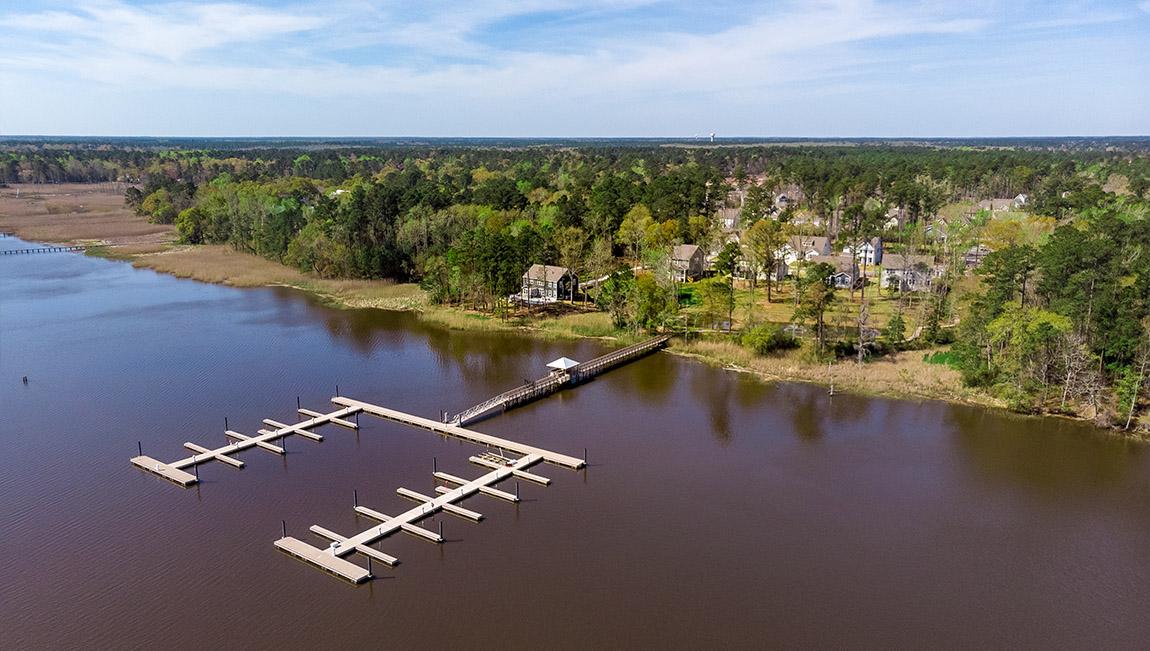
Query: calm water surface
column 717, row 512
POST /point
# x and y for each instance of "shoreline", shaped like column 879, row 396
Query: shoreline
column 902, row 375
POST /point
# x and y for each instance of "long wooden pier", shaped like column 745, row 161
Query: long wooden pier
column 458, row 432
column 556, row 380
column 43, row 249
column 332, row 559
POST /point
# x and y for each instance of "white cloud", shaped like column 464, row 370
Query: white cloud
column 112, row 43
column 170, row 31
column 377, row 63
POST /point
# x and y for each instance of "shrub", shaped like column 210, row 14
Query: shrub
column 768, row 338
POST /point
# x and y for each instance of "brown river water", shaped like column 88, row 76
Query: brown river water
column 717, row 511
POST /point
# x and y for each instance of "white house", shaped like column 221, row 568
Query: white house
column 803, row 247
column 909, row 273
column 868, row 253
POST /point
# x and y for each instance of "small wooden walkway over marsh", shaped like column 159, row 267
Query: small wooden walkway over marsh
column 44, row 249
column 556, row 380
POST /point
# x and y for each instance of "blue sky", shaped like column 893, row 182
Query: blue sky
column 575, row 68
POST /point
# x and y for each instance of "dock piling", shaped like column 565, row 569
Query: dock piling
column 140, row 448
column 354, row 497
column 226, row 424
column 297, row 405
column 283, row 526
column 434, row 464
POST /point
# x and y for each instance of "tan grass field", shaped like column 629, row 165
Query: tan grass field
column 903, row 374
column 78, row 213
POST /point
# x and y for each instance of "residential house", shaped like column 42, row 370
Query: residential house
column 729, row 218
column 1020, row 201
column 869, row 253
column 995, row 205
column 846, row 274
column 803, row 247
column 686, row 262
column 975, row 254
column 543, row 283
column 909, row 273
column 892, row 219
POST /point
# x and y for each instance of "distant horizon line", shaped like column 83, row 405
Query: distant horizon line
column 705, row 137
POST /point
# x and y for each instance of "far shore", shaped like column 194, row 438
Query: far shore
column 96, row 215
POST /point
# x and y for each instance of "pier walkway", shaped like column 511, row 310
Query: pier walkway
column 43, row 249
column 556, row 380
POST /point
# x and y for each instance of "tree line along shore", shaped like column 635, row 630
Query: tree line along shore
column 1007, row 276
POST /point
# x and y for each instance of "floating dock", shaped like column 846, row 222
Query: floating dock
column 176, row 471
column 332, row 559
column 557, row 380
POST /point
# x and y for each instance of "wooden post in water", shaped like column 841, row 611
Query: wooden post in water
column 354, row 497
column 140, row 448
column 226, row 423
column 283, row 525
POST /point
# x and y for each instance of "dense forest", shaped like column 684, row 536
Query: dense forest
column 1054, row 317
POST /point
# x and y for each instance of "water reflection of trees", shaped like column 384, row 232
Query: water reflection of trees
column 653, row 377
column 715, row 392
column 485, row 359
column 1044, row 454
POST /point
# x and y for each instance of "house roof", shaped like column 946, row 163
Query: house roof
column 563, row 363
column 546, row 273
column 899, row 261
column 995, row 204
column 808, row 243
column 874, row 242
column 841, row 263
column 684, row 251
